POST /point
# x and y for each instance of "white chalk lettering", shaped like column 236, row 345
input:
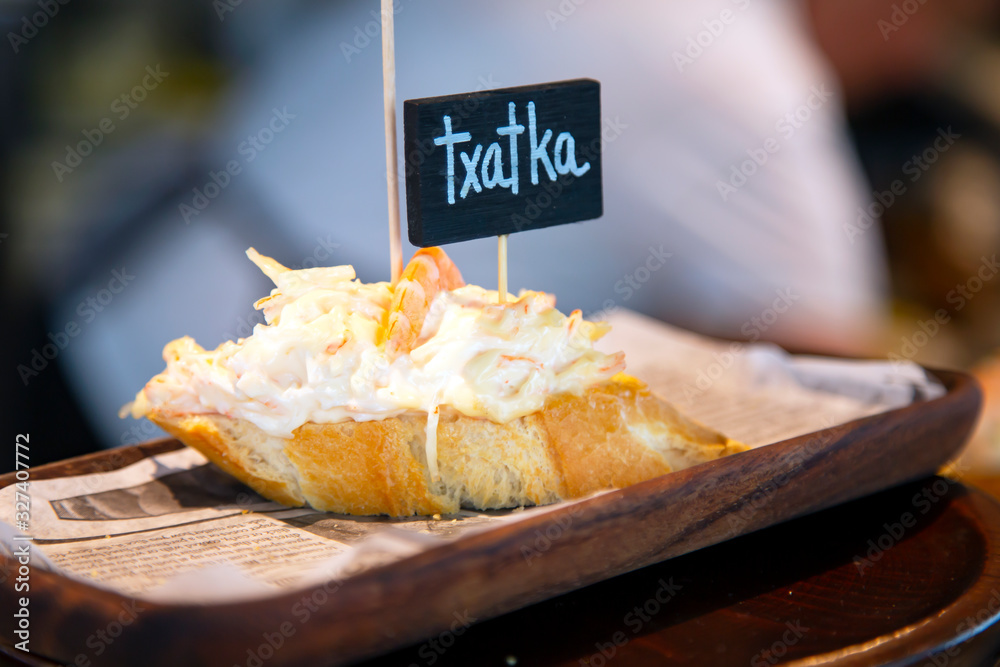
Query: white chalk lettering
column 470, row 172
column 450, row 140
column 512, row 130
column 538, row 149
column 494, row 156
column 485, row 168
column 568, row 164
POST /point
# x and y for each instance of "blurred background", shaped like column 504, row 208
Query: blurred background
column 843, row 152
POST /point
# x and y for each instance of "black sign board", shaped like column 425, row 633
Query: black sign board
column 502, row 161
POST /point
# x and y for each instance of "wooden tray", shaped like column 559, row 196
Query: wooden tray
column 791, row 594
column 488, row 574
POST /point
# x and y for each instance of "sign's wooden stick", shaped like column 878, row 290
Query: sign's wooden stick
column 389, row 104
column 502, row 267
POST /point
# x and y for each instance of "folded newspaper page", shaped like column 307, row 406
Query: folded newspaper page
column 176, row 528
column 758, row 393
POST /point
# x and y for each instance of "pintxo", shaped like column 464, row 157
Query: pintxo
column 502, row 161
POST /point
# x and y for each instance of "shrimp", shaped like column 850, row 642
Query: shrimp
column 429, row 271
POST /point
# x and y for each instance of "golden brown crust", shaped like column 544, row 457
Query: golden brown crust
column 213, row 436
column 615, row 434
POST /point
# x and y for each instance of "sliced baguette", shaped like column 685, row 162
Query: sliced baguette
column 616, row 434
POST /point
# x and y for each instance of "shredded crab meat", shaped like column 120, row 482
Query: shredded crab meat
column 333, row 348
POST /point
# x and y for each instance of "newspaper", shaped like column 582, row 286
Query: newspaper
column 758, row 393
column 176, row 528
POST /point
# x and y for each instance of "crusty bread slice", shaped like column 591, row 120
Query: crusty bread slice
column 616, row 434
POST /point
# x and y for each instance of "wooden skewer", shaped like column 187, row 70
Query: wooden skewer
column 389, row 104
column 502, row 267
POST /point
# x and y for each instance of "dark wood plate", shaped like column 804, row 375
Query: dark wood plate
column 789, row 594
column 491, row 573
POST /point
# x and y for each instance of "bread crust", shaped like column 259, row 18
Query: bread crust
column 615, row 434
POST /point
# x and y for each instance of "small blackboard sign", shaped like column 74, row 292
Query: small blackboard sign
column 502, row 161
